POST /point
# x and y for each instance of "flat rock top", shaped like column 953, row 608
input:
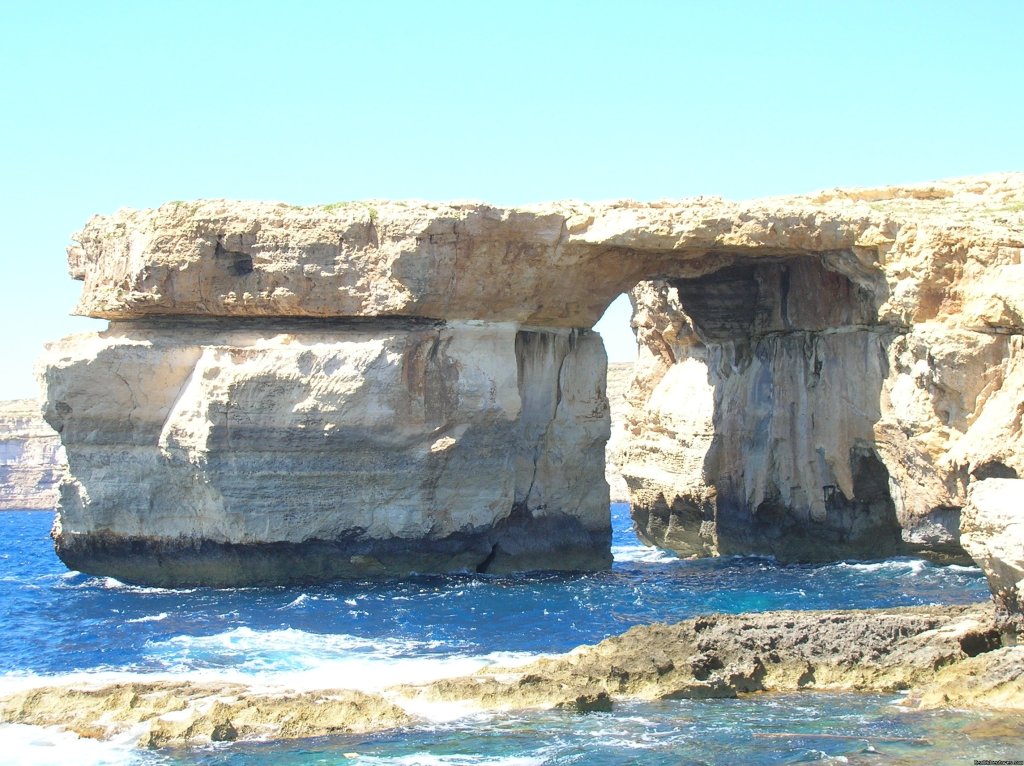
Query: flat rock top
column 557, row 264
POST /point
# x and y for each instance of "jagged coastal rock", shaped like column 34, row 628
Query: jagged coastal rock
column 31, row 458
column 172, row 713
column 724, row 656
column 377, row 388
column 938, row 655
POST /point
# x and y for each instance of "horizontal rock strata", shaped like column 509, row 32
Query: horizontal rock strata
column 225, row 453
column 31, row 458
column 809, row 407
column 941, row 656
column 384, row 387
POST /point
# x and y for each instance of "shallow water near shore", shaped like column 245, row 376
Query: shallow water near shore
column 58, row 625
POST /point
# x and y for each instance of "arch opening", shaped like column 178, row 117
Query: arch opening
column 615, row 328
column 757, row 433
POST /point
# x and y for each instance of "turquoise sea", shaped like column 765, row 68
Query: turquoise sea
column 57, row 625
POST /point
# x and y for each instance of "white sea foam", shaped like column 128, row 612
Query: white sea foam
column 281, row 649
column 112, row 583
column 641, row 553
column 440, row 712
column 90, row 679
column 430, row 759
column 899, row 566
column 149, row 618
column 11, row 683
column 876, row 566
column 627, row 742
column 296, row 659
column 965, row 569
column 301, row 599
column 38, row 746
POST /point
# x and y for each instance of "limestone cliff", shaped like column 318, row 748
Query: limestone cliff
column 31, row 458
column 303, row 393
column 993, row 533
column 791, row 406
column 219, row 453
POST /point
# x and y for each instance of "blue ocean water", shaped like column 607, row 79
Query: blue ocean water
column 58, row 625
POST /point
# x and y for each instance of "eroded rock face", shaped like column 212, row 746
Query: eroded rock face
column 789, row 406
column 557, row 264
column 31, row 458
column 383, row 387
column 219, row 453
column 779, row 373
column 992, row 526
column 163, row 714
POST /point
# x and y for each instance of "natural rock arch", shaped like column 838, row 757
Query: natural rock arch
column 783, row 363
column 382, row 388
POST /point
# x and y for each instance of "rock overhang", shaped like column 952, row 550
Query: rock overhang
column 558, row 264
column 918, row 265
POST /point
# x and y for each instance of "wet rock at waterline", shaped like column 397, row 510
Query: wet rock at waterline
column 376, row 388
column 941, row 656
column 172, row 713
column 295, row 452
column 725, row 656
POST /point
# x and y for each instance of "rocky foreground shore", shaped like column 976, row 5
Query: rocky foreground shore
column 939, row 656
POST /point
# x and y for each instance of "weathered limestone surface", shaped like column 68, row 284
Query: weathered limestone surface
column 793, row 407
column 297, row 451
column 172, row 713
column 31, row 458
column 556, row 264
column 725, row 656
column 992, row 527
column 385, row 387
column 942, row 656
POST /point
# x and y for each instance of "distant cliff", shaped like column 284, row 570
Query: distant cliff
column 620, row 374
column 31, row 458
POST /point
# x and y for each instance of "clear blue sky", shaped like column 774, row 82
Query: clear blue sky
column 112, row 104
